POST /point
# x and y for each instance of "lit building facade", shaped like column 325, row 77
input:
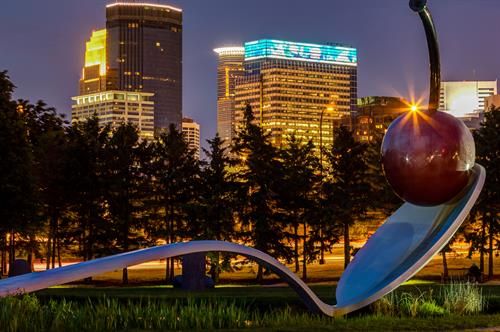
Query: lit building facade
column 116, row 107
column 465, row 99
column 492, row 102
column 293, row 87
column 229, row 69
column 144, row 53
column 375, row 113
column 191, row 132
column 94, row 70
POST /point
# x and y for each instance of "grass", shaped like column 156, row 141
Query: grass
column 456, row 298
column 105, row 314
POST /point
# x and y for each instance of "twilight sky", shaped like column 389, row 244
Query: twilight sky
column 42, row 42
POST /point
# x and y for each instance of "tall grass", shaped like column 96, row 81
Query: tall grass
column 463, row 298
column 28, row 313
column 454, row 298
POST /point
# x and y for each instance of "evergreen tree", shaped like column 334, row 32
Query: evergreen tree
column 48, row 139
column 487, row 208
column 259, row 179
column 123, row 161
column 347, row 188
column 87, row 142
column 212, row 216
column 17, row 183
column 382, row 198
column 298, row 193
column 174, row 175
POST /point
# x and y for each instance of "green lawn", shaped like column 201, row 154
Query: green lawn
column 258, row 296
column 32, row 313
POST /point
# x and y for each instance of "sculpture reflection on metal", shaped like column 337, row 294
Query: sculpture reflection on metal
column 428, row 159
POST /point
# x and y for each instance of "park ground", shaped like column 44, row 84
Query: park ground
column 273, row 297
column 153, row 273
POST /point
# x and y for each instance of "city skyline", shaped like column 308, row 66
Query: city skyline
column 385, row 68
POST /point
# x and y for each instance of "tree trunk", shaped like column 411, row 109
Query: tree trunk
column 172, row 269
column 347, row 245
column 125, row 276
column 445, row 266
column 482, row 246
column 59, row 259
column 167, row 269
column 304, row 254
column 30, row 260
column 490, row 253
column 215, row 268
column 4, row 255
column 322, row 246
column 48, row 255
column 88, row 245
column 296, row 244
column 54, row 248
column 12, row 250
column 260, row 274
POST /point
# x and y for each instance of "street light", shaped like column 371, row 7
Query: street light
column 329, row 109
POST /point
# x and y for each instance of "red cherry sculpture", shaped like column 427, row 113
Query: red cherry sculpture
column 428, row 157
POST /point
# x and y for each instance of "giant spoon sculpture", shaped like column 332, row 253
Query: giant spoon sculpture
column 428, row 158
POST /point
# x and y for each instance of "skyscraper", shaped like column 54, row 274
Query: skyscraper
column 191, row 132
column 229, row 68
column 294, row 88
column 144, row 53
column 94, row 70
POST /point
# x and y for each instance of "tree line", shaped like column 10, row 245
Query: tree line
column 88, row 190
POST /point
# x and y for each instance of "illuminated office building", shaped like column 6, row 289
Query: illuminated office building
column 144, row 53
column 191, row 132
column 464, row 99
column 94, row 70
column 375, row 113
column 116, row 107
column 141, row 51
column 292, row 86
column 491, row 102
column 229, row 69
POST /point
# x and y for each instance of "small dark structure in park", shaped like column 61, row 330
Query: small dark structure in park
column 19, row 267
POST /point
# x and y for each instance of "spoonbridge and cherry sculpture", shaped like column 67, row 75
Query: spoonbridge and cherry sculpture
column 428, row 158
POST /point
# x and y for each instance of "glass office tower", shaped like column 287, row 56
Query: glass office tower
column 229, row 69
column 144, row 53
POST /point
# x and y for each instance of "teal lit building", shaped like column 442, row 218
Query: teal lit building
column 298, row 88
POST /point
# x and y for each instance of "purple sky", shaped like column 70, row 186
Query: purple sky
column 42, row 42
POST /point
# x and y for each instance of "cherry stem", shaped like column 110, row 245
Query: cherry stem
column 433, row 46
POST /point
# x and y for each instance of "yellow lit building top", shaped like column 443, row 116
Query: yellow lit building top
column 95, row 52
